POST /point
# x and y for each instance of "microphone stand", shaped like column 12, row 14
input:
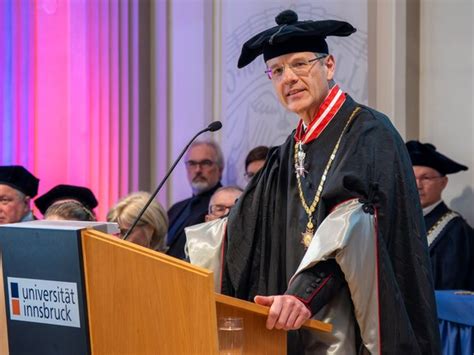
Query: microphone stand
column 214, row 126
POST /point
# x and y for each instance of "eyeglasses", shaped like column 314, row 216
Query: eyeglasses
column 203, row 164
column 219, row 210
column 123, row 230
column 249, row 175
column 425, row 179
column 299, row 67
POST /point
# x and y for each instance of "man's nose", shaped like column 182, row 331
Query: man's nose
column 289, row 75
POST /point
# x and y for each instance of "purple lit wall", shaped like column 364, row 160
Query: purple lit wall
column 72, row 96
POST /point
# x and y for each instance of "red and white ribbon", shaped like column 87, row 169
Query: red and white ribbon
column 328, row 109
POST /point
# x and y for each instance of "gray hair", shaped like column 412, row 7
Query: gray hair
column 20, row 194
column 232, row 188
column 217, row 149
column 23, row 197
column 331, row 82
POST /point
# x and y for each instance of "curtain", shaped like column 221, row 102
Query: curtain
column 77, row 82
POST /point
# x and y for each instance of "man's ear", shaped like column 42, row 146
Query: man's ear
column 27, row 204
column 444, row 182
column 206, row 218
column 330, row 64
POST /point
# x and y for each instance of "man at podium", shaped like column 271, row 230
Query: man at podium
column 331, row 227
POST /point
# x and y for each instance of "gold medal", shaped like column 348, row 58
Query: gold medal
column 307, row 236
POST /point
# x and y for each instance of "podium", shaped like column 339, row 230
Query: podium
column 70, row 288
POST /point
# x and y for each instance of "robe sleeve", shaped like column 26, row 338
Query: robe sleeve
column 347, row 237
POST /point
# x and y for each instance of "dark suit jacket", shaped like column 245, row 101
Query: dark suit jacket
column 183, row 214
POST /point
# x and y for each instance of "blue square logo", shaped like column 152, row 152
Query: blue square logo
column 14, row 289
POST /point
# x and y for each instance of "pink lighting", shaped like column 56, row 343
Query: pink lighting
column 69, row 97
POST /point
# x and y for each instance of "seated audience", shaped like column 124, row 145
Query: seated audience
column 204, row 165
column 69, row 211
column 255, row 160
column 62, row 193
column 450, row 238
column 150, row 231
column 222, row 201
column 17, row 187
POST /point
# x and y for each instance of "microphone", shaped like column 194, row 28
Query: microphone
column 213, row 126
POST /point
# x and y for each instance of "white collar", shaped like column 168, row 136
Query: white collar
column 430, row 208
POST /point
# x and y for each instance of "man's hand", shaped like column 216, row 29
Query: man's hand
column 286, row 312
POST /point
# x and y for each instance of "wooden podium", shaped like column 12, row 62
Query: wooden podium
column 138, row 301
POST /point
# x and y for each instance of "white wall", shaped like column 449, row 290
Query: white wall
column 190, row 83
column 447, row 92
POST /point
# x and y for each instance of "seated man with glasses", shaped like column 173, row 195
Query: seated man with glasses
column 17, row 187
column 450, row 238
column 204, row 165
column 222, row 201
column 204, row 246
column 255, row 160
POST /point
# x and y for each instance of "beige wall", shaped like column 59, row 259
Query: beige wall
column 447, row 91
column 421, row 75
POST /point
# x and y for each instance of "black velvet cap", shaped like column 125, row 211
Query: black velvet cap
column 291, row 36
column 20, row 179
column 426, row 155
column 66, row 192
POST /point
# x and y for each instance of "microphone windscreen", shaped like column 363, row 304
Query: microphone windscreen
column 215, row 126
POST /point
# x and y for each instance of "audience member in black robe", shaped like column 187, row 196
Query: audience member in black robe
column 450, row 238
column 204, row 165
column 342, row 153
column 69, row 193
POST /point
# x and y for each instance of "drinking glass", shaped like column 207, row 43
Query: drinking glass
column 231, row 336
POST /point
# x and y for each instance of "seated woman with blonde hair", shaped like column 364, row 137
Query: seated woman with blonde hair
column 150, row 231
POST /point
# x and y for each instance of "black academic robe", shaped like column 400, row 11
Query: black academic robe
column 183, row 214
column 451, row 252
column 264, row 245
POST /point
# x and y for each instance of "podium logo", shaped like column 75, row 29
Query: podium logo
column 43, row 301
column 15, row 299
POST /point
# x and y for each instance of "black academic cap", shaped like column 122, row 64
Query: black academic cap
column 20, row 179
column 66, row 192
column 426, row 155
column 290, row 36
